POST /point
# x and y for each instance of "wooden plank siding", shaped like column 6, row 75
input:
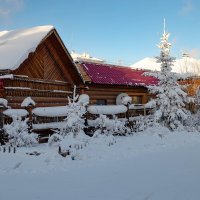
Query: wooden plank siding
column 192, row 84
column 44, row 93
column 109, row 93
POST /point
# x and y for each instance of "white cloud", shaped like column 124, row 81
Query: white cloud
column 187, row 8
column 8, row 8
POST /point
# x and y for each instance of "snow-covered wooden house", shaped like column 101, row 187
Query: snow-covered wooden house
column 34, row 62
column 104, row 83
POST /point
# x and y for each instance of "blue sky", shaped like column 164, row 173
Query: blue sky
column 114, row 30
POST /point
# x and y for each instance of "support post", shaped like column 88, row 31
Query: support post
column 2, row 132
column 30, row 116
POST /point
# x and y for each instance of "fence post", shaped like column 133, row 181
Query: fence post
column 86, row 116
column 3, row 106
column 30, row 116
column 145, row 112
column 127, row 112
column 29, row 104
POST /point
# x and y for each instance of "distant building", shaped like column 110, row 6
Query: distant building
column 185, row 65
column 85, row 57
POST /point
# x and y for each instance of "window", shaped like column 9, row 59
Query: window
column 101, row 102
column 137, row 99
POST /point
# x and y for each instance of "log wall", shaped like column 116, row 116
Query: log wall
column 110, row 93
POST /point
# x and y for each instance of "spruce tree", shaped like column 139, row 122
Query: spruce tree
column 169, row 104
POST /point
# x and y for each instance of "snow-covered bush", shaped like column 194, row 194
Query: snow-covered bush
column 72, row 143
column 143, row 122
column 107, row 126
column 193, row 123
column 18, row 134
column 107, row 140
column 170, row 99
column 55, row 138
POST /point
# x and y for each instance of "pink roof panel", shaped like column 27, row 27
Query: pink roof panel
column 101, row 73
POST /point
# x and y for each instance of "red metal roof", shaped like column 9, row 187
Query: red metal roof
column 102, row 73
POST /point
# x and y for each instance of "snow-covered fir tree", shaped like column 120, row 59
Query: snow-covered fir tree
column 76, row 109
column 170, row 99
column 74, row 123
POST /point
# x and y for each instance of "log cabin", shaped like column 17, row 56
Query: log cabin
column 36, row 63
column 105, row 82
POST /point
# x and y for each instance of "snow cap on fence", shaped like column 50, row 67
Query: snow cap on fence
column 56, row 111
column 3, row 102
column 107, row 110
column 84, row 99
column 28, row 101
column 126, row 100
column 15, row 113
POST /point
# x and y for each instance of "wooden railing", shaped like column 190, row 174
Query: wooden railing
column 43, row 125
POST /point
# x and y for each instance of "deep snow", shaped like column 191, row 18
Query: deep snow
column 154, row 164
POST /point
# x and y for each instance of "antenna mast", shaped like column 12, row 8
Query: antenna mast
column 164, row 27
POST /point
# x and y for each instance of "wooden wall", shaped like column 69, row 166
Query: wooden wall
column 109, row 93
column 50, row 61
column 192, row 85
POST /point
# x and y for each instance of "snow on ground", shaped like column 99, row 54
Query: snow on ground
column 155, row 164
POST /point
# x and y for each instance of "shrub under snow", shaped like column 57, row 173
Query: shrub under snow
column 110, row 126
column 18, row 134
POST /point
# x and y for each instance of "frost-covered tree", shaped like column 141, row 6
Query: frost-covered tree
column 18, row 134
column 76, row 109
column 74, row 122
column 170, row 99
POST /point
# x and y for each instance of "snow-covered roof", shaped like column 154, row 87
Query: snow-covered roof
column 185, row 65
column 15, row 45
column 147, row 64
column 84, row 57
column 57, row 111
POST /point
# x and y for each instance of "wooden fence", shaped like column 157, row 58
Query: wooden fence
column 44, row 120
